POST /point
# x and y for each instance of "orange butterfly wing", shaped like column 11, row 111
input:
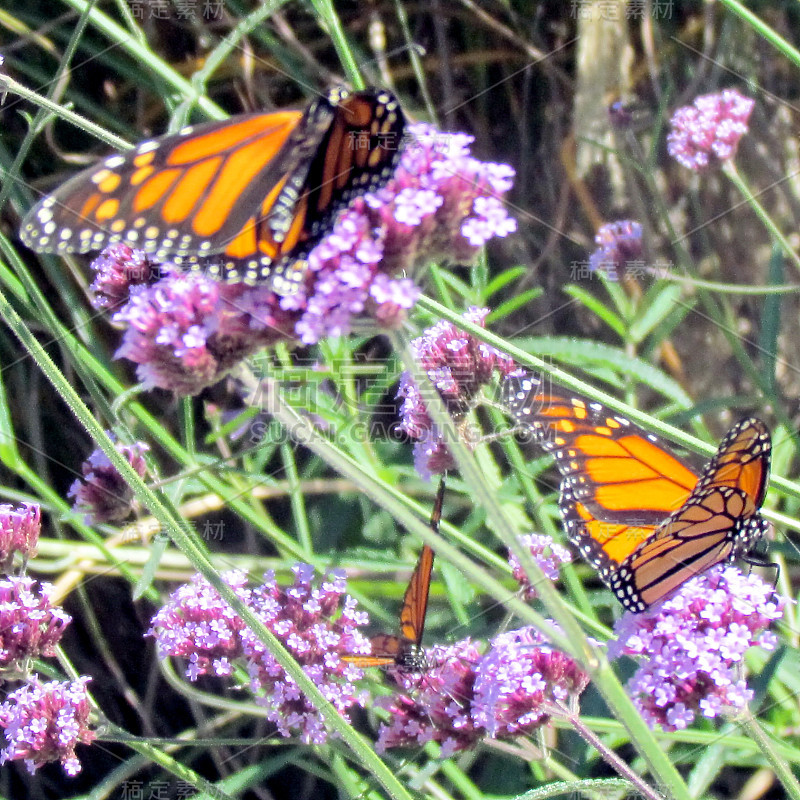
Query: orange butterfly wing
column 719, row 522
column 389, row 650
column 244, row 198
column 646, row 520
column 618, row 481
column 403, row 651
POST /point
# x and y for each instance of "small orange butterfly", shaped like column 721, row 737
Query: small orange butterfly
column 404, row 651
column 245, row 198
column 645, row 519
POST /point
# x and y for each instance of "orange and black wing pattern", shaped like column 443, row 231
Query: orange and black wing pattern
column 618, row 481
column 403, row 651
column 244, row 199
column 622, row 488
column 719, row 522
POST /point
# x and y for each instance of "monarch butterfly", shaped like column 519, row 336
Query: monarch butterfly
column 245, row 198
column 403, row 651
column 645, row 519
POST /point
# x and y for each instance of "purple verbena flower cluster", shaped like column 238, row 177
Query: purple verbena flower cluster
column 186, row 331
column 693, row 644
column 437, row 706
column 512, row 690
column 349, row 280
column 458, row 365
column 619, row 247
column 549, row 555
column 119, row 268
column 41, row 722
column 30, row 626
column 19, row 532
column 44, row 722
column 709, row 130
column 522, row 681
column 317, row 624
column 196, row 624
column 102, row 493
column 442, row 203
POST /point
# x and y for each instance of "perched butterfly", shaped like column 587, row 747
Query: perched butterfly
column 244, row 199
column 645, row 519
column 403, row 651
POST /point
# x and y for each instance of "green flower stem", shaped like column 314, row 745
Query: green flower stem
column 334, row 29
column 778, row 42
column 729, row 288
column 736, row 178
column 180, row 771
column 611, row 758
column 12, row 86
column 782, row 770
column 591, row 787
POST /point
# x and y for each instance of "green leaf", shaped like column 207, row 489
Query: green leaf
column 502, row 280
column 158, row 544
column 658, row 310
column 586, row 353
column 511, row 305
column 615, row 322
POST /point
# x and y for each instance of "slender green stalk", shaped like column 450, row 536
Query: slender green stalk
column 733, row 174
column 612, row 759
column 15, row 87
column 764, row 30
column 333, row 25
column 782, row 770
column 729, row 288
column 176, row 768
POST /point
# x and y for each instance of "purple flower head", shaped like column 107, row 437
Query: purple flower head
column 118, row 268
column 30, row 626
column 549, row 555
column 198, row 625
column 44, row 722
column 441, row 203
column 522, row 681
column 19, row 531
column 187, row 330
column 316, row 622
column 709, row 130
column 693, row 644
column 102, row 494
column 458, row 366
column 619, row 247
column 437, row 707
column 516, row 687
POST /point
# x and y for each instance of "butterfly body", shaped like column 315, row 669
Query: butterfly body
column 644, row 518
column 244, row 199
